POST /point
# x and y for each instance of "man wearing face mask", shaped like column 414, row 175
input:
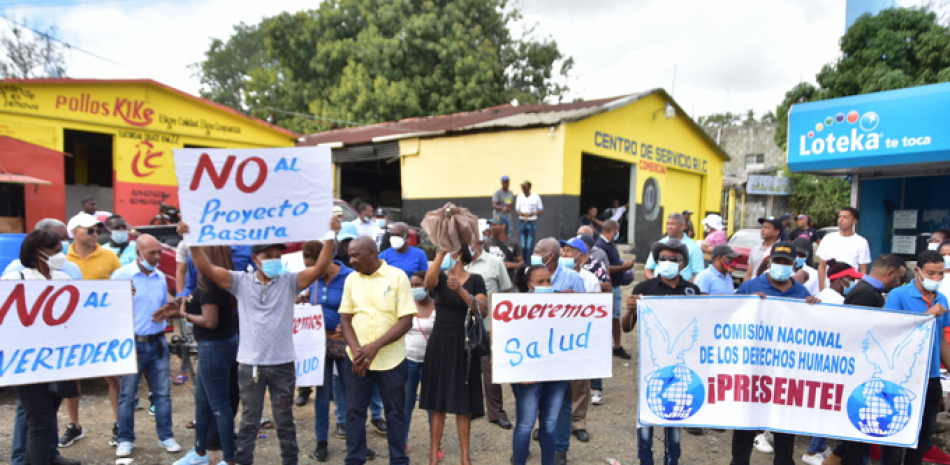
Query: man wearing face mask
column 366, row 221
column 382, row 232
column 671, row 258
column 266, row 354
column 56, row 226
column 675, row 227
column 347, row 233
column 777, row 282
column 843, row 278
column 716, row 279
column 938, row 237
column 149, row 307
column 119, row 242
column 401, row 255
column 804, row 273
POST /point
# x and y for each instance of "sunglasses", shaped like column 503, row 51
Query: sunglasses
column 91, row 231
column 670, row 259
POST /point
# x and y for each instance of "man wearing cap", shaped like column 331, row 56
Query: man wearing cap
column 777, row 282
column 94, row 262
column 149, row 308
column 502, row 202
column 715, row 233
column 716, row 279
column 672, row 257
column 688, row 220
column 529, row 208
column 803, row 230
column 771, row 229
column 786, row 224
column 675, row 229
column 338, row 212
column 401, row 255
column 495, row 274
column 266, row 354
column 503, row 246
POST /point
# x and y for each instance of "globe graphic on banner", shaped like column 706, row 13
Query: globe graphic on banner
column 674, row 392
column 879, row 408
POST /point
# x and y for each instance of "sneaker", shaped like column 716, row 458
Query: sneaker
column 380, row 425
column 762, row 443
column 151, row 406
column 124, row 449
column 170, row 445
column 440, row 455
column 596, row 397
column 370, row 454
column 826, row 453
column 73, row 434
column 935, row 455
column 138, row 403
column 192, row 458
column 620, row 353
column 320, row 454
column 816, row 459
column 115, row 435
column 340, row 431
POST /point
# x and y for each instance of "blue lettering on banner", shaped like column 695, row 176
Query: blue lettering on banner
column 282, row 165
column 94, row 301
column 65, row 356
column 647, row 151
column 308, row 366
column 212, row 214
column 565, row 343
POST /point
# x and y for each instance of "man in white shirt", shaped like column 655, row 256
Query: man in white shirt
column 366, row 223
column 845, row 246
column 529, row 208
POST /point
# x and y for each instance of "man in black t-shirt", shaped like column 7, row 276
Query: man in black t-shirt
column 803, row 230
column 590, row 219
column 502, row 246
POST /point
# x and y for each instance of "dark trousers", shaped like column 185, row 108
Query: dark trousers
column 928, row 426
column 784, row 445
column 494, row 402
column 359, row 389
column 280, row 381
column 20, row 433
column 40, row 408
column 853, row 453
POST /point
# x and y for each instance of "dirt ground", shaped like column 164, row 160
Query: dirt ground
column 611, row 425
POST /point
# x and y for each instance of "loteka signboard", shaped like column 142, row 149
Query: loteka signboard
column 63, row 330
column 550, row 337
column 254, row 196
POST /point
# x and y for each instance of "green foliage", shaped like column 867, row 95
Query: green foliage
column 366, row 61
column 894, row 49
column 819, row 197
column 718, row 120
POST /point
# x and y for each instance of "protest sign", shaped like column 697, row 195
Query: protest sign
column 550, row 337
column 741, row 362
column 63, row 330
column 310, row 344
column 254, row 196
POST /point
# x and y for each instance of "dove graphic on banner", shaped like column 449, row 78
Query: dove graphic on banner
column 881, row 406
column 674, row 391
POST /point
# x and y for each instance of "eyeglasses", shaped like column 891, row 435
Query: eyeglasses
column 670, row 259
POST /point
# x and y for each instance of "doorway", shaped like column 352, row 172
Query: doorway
column 89, row 171
column 604, row 182
column 378, row 182
column 12, row 208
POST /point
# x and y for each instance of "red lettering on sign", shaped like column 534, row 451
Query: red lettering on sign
column 261, row 175
column 133, row 112
column 146, row 160
column 27, row 318
column 205, row 165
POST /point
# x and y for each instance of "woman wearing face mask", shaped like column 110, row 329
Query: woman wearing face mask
column 42, row 257
column 541, row 401
column 416, row 341
column 446, row 386
column 119, row 241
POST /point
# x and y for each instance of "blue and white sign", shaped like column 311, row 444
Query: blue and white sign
column 741, row 362
column 898, row 127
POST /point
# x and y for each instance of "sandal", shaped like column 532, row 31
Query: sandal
column 190, row 424
column 180, row 379
column 266, row 423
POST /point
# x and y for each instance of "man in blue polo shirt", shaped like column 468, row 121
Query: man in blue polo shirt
column 921, row 296
column 401, row 255
column 716, row 279
column 777, row 282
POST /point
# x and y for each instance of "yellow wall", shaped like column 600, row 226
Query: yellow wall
column 472, row 165
column 631, row 134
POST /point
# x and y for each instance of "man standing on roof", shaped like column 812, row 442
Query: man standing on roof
column 529, row 208
column 503, row 202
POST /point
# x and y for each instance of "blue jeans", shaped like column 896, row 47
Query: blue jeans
column 153, row 358
column 392, row 386
column 527, row 230
column 213, row 394
column 412, row 386
column 321, row 403
column 597, row 384
column 563, row 427
column 645, row 445
column 20, row 431
column 339, row 400
column 506, row 221
column 817, row 445
column 530, row 399
column 618, row 302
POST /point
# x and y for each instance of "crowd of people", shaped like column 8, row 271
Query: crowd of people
column 395, row 327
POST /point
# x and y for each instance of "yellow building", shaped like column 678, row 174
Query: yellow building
column 640, row 149
column 120, row 135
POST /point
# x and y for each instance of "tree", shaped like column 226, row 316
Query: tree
column 895, row 49
column 819, row 197
column 366, row 61
column 718, row 120
column 29, row 53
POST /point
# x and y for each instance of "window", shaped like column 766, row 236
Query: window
column 755, row 161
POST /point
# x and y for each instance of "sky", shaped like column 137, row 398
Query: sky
column 713, row 56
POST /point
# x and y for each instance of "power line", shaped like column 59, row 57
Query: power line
column 304, row 115
column 68, row 45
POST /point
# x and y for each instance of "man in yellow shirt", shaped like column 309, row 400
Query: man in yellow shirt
column 95, row 263
column 376, row 312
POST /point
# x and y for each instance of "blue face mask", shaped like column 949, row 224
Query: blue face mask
column 538, row 259
column 668, row 270
column 381, row 222
column 447, row 263
column 120, row 237
column 567, row 263
column 780, row 273
column 946, row 262
column 543, row 289
column 418, row 293
column 849, row 287
column 799, row 262
column 272, row 267
column 146, row 265
column 66, row 246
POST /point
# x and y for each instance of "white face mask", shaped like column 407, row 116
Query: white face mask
column 55, row 262
column 397, row 242
column 933, row 246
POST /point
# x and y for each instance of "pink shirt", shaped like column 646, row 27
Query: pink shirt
column 717, row 237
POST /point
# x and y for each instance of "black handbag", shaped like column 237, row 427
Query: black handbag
column 64, row 389
column 477, row 343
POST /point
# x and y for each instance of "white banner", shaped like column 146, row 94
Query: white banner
column 254, row 196
column 63, row 330
column 740, row 362
column 310, row 344
column 550, row 337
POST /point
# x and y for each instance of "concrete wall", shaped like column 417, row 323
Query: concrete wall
column 739, row 141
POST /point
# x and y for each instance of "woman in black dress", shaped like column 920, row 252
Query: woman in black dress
column 446, row 386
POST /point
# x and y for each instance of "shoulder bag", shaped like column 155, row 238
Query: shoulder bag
column 476, row 338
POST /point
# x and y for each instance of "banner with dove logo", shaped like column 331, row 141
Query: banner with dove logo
column 741, row 362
